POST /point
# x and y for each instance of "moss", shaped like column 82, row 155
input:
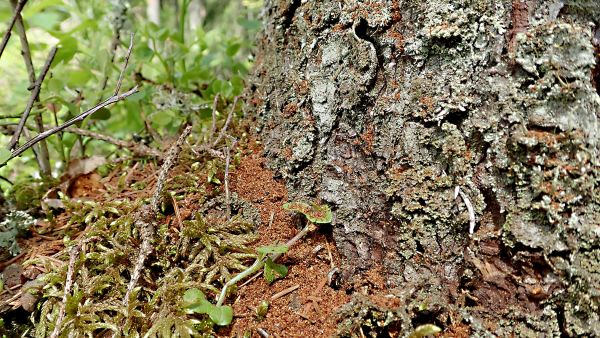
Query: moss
column 203, row 253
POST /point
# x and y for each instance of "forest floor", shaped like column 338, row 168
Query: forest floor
column 309, row 301
column 304, row 303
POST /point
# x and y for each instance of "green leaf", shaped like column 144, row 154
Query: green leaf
column 162, row 118
column 233, row 48
column 66, row 49
column 313, row 212
column 78, row 78
column 193, row 296
column 271, row 268
column 203, row 307
column 44, row 20
column 101, row 114
column 5, row 155
column 221, row 315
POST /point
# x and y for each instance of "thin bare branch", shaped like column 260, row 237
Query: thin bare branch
column 44, row 157
column 20, row 27
column 6, row 37
column 68, row 284
column 224, row 129
column 78, row 118
column 32, row 98
column 145, row 217
column 116, row 40
column 125, row 64
column 170, row 160
column 137, row 148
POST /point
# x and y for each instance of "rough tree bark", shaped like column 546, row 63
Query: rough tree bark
column 382, row 108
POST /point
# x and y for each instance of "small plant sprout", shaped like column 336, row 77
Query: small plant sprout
column 320, row 214
column 195, row 302
column 262, row 309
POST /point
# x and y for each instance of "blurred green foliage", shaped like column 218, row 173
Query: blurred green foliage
column 180, row 69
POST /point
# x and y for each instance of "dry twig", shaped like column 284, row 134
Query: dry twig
column 144, row 219
column 34, row 96
column 68, row 284
column 227, row 162
column 224, row 129
column 17, row 14
column 111, row 100
column 44, row 157
column 136, row 148
column 285, row 292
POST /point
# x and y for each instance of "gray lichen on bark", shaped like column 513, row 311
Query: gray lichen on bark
column 382, row 108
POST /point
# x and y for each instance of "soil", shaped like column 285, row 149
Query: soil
column 308, row 310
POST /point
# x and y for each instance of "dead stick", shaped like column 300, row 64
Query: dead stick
column 145, row 217
column 224, row 129
column 137, row 149
column 32, row 98
column 170, row 159
column 6, row 37
column 285, row 292
column 125, row 64
column 213, row 127
column 17, row 152
column 113, row 99
column 44, row 157
column 227, row 161
column 68, row 284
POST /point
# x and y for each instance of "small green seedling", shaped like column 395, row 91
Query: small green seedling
column 195, row 302
column 262, row 309
column 271, row 267
column 268, row 255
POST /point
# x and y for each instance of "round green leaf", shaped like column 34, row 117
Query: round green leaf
column 193, row 296
column 221, row 315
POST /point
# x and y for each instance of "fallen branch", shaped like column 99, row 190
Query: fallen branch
column 227, row 162
column 44, row 157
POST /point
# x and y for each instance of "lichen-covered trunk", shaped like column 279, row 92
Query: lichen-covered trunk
column 389, row 110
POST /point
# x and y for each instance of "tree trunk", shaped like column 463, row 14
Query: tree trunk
column 389, row 110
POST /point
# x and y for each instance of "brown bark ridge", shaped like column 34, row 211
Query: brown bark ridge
column 383, row 108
